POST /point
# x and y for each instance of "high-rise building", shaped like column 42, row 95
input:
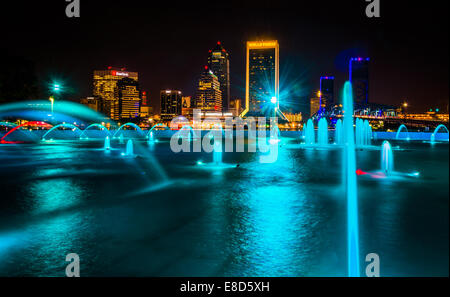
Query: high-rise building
column 129, row 99
column 106, row 89
column 326, row 91
column 208, row 95
column 359, row 77
column 170, row 104
column 262, row 75
column 219, row 64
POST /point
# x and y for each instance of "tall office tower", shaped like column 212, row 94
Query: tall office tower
column 326, row 92
column 105, row 89
column 186, row 102
column 129, row 99
column 359, row 77
column 208, row 96
column 170, row 104
column 219, row 64
column 262, row 75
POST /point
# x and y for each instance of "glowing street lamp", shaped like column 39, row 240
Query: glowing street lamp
column 52, row 100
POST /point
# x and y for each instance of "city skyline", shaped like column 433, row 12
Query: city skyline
column 309, row 49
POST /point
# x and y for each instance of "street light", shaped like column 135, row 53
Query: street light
column 52, row 100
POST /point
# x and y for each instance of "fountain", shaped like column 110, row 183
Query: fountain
column 121, row 141
column 323, row 132
column 129, row 150
column 128, row 125
column 402, row 127
column 107, row 145
column 349, row 177
column 310, row 137
column 64, row 125
column 102, row 128
column 387, row 158
column 363, row 133
column 338, row 137
column 433, row 136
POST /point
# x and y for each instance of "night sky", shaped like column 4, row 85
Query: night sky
column 168, row 43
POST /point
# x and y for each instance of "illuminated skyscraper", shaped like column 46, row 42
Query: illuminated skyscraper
column 170, row 104
column 129, row 99
column 208, row 95
column 326, row 91
column 106, row 89
column 262, row 75
column 219, row 64
column 359, row 77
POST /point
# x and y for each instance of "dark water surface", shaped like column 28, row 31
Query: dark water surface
column 161, row 214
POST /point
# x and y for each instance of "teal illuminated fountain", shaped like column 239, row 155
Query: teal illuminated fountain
column 107, row 145
column 402, row 127
column 129, row 149
column 338, row 133
column 351, row 187
column 433, row 136
column 121, row 140
column 310, row 137
column 322, row 132
column 363, row 133
column 387, row 158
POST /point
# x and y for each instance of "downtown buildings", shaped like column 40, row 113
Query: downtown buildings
column 208, row 96
column 359, row 77
column 219, row 64
column 171, row 104
column 118, row 93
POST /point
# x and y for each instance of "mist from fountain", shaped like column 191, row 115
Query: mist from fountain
column 363, row 133
column 121, row 140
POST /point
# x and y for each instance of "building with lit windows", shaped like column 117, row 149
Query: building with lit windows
column 106, row 89
column 327, row 92
column 170, row 104
column 359, row 77
column 129, row 100
column 208, row 96
column 314, row 104
column 219, row 64
column 262, row 78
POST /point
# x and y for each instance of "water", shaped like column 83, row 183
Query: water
column 387, row 158
column 402, row 127
column 310, row 137
column 363, row 133
column 288, row 218
column 129, row 150
column 338, row 136
column 351, row 186
column 433, row 136
column 107, row 145
column 322, row 132
column 121, row 139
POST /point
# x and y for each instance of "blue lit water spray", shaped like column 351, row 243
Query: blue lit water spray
column 351, row 186
column 310, row 137
column 387, row 158
column 129, row 150
column 322, row 132
column 107, row 145
column 338, row 133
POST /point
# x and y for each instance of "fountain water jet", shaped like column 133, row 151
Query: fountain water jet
column 402, row 127
column 310, row 137
column 387, row 158
column 338, row 137
column 433, row 136
column 129, row 150
column 349, row 163
column 322, row 132
column 107, row 145
column 121, row 141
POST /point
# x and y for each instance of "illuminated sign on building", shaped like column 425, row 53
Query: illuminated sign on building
column 119, row 73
